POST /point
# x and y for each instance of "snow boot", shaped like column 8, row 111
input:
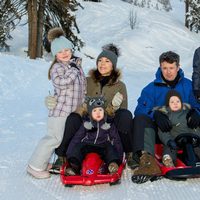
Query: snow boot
column 132, row 161
column 70, row 172
column 38, row 174
column 167, row 161
column 55, row 169
column 147, row 169
column 113, row 167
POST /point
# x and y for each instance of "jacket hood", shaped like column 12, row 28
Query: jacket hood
column 90, row 125
column 116, row 75
column 165, row 109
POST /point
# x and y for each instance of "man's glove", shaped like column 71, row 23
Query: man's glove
column 162, row 121
column 117, row 100
column 50, row 102
column 172, row 144
column 193, row 119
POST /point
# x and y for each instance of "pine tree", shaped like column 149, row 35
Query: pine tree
column 45, row 14
column 193, row 15
column 60, row 14
column 42, row 15
column 166, row 4
column 9, row 18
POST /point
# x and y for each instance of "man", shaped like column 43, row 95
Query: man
column 196, row 74
column 168, row 76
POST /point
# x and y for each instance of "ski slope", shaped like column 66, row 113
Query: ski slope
column 24, row 84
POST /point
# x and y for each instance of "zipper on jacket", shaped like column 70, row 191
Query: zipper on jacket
column 86, row 137
column 97, row 133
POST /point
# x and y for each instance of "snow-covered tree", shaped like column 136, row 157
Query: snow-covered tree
column 156, row 4
column 10, row 15
column 166, row 4
column 93, row 0
column 42, row 15
column 45, row 14
column 193, row 15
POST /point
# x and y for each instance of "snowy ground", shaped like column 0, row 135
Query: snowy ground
column 24, row 84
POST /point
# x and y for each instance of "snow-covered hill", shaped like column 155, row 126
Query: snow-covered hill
column 24, row 84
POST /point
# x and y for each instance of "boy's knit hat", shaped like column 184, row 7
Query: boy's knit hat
column 170, row 94
column 95, row 102
column 111, row 52
column 58, row 40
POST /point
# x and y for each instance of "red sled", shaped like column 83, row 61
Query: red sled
column 93, row 172
column 187, row 164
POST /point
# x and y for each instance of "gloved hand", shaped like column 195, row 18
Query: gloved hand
column 72, row 64
column 50, row 102
column 162, row 121
column 117, row 100
column 193, row 119
column 197, row 95
column 172, row 144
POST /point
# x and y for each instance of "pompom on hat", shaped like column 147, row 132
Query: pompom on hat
column 111, row 52
column 58, row 40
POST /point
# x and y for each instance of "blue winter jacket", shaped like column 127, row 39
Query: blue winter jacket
column 154, row 94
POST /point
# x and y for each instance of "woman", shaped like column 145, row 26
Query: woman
column 103, row 80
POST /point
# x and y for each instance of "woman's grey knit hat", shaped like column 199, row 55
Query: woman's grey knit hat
column 111, row 52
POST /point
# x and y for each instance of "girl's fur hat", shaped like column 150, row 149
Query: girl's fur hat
column 58, row 40
column 110, row 51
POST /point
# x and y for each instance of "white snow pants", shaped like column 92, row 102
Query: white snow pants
column 45, row 148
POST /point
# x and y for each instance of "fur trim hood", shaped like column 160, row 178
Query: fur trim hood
column 166, row 110
column 114, row 77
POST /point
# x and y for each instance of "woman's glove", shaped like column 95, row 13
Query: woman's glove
column 50, row 102
column 117, row 100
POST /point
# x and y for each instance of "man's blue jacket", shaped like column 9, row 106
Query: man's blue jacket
column 154, row 94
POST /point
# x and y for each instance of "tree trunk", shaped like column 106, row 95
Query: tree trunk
column 40, row 25
column 32, row 19
column 186, row 10
column 29, row 26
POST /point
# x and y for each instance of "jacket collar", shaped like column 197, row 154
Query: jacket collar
column 159, row 80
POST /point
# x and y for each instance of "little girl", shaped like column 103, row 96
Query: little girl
column 69, row 84
column 95, row 135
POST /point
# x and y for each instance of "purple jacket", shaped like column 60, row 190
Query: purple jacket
column 97, row 135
